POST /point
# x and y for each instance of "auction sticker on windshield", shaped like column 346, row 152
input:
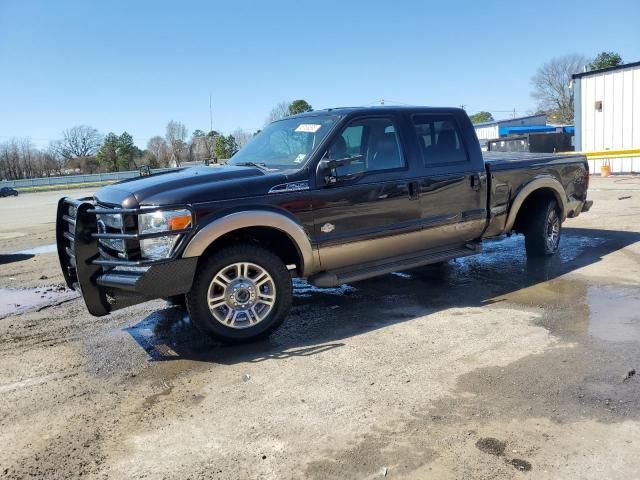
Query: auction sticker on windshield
column 308, row 127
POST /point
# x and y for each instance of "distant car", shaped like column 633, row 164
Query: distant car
column 8, row 192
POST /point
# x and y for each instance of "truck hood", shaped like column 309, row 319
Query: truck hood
column 190, row 185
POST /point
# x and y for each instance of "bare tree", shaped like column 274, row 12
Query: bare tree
column 551, row 86
column 79, row 142
column 242, row 137
column 10, row 160
column 53, row 155
column 20, row 159
column 159, row 149
column 278, row 112
column 202, row 147
column 51, row 164
column 176, row 135
column 28, row 159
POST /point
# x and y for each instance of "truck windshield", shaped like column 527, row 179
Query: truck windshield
column 286, row 143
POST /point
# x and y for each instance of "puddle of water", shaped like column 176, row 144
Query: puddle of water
column 615, row 313
column 14, row 301
column 52, row 248
column 304, row 289
column 510, row 250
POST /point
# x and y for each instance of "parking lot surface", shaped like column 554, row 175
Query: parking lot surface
column 492, row 366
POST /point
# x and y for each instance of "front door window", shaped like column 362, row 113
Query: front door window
column 374, row 140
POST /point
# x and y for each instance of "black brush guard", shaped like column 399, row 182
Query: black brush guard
column 108, row 283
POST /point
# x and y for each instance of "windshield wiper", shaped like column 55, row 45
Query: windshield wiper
column 262, row 166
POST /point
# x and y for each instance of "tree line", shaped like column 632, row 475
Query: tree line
column 83, row 149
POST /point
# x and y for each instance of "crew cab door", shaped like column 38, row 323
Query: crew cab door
column 452, row 183
column 366, row 209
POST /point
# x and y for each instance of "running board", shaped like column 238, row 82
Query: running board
column 333, row 278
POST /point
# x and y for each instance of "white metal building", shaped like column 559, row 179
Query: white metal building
column 491, row 130
column 607, row 117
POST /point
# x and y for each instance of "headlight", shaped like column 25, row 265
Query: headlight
column 157, row 248
column 164, row 221
column 161, row 221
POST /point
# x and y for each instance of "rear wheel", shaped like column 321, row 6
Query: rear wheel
column 240, row 294
column 542, row 235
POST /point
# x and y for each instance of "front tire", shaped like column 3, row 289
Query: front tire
column 240, row 294
column 542, row 235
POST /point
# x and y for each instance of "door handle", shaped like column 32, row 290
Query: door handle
column 475, row 182
column 414, row 190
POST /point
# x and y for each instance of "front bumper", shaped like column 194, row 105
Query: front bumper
column 110, row 284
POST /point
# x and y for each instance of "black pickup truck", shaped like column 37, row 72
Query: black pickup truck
column 333, row 196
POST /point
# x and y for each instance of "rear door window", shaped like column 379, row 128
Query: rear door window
column 439, row 140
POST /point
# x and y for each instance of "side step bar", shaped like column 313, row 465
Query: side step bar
column 333, row 278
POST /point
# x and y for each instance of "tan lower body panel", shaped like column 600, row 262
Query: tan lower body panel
column 354, row 253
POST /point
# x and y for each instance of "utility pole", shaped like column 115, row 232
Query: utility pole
column 382, row 101
column 210, row 114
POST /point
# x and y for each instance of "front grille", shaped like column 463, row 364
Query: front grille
column 117, row 224
column 110, row 234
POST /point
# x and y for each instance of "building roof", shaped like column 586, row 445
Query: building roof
column 604, row 70
column 494, row 122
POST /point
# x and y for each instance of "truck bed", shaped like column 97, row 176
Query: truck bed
column 499, row 160
column 510, row 172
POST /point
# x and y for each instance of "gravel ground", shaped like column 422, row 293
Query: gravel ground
column 490, row 367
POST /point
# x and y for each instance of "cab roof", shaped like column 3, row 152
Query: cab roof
column 379, row 109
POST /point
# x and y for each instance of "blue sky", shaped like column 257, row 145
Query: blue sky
column 136, row 65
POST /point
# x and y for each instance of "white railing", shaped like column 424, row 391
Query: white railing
column 75, row 179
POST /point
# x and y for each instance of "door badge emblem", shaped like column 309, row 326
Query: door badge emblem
column 327, row 227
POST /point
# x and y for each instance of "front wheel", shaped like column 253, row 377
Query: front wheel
column 240, row 294
column 542, row 235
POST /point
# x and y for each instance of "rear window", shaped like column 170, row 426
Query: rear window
column 440, row 140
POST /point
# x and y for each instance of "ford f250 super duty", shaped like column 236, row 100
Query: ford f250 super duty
column 333, row 196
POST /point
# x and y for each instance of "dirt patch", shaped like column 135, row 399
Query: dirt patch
column 521, row 465
column 492, row 446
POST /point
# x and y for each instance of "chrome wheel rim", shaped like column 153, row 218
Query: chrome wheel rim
column 553, row 231
column 241, row 295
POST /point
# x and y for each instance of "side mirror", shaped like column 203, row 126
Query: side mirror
column 325, row 172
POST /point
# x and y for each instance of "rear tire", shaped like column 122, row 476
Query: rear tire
column 542, row 234
column 240, row 294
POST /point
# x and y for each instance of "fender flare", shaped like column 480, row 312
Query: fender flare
column 252, row 218
column 537, row 184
